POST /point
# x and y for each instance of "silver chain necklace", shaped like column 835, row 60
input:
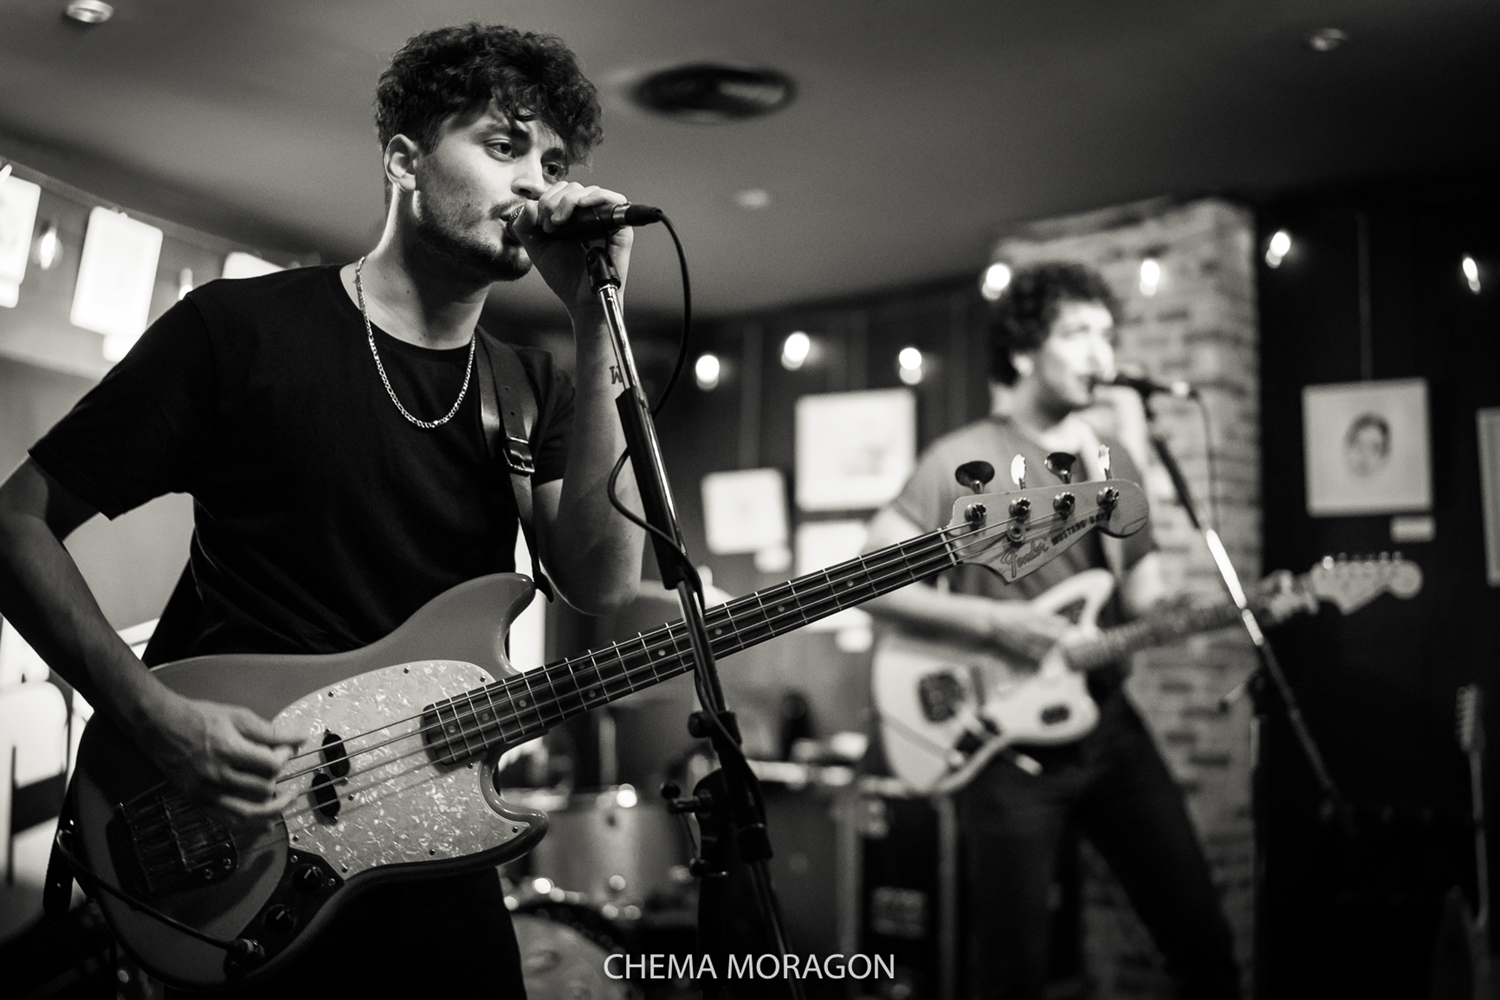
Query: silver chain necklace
column 359, row 290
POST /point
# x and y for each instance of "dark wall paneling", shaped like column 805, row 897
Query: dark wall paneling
column 1355, row 916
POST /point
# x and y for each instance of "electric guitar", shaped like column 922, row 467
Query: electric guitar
column 400, row 778
column 946, row 708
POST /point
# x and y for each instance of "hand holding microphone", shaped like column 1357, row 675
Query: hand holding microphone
column 592, row 222
column 553, row 243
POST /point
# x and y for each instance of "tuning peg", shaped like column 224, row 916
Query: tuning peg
column 1060, row 464
column 1018, row 471
column 974, row 475
column 1104, row 459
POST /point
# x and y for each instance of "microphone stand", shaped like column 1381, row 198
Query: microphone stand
column 1335, row 806
column 727, row 802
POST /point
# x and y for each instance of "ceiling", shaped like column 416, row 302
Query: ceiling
column 920, row 130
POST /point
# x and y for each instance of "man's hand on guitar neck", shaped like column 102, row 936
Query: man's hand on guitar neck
column 224, row 756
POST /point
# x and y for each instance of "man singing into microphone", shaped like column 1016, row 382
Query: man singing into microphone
column 327, row 422
column 1052, row 342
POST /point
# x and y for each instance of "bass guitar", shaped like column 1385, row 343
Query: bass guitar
column 400, row 778
column 946, row 708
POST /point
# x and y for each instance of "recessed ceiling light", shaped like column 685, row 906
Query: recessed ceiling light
column 753, row 198
column 704, row 92
column 1326, row 39
column 89, row 11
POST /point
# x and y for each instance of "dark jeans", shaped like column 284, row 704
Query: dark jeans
column 1114, row 787
column 407, row 939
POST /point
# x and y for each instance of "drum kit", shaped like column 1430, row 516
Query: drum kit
column 610, row 876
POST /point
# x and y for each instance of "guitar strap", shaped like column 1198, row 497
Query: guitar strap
column 57, row 889
column 507, row 411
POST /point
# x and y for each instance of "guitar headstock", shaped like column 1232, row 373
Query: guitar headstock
column 1470, row 731
column 1018, row 532
column 1350, row 584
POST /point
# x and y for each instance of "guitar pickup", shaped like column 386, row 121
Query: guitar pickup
column 941, row 695
column 334, row 755
column 325, row 798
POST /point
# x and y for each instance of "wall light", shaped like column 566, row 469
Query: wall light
column 5, row 171
column 184, row 283
column 795, row 349
column 1277, row 247
column 909, row 365
column 48, row 247
column 1471, row 273
column 1150, row 276
column 996, row 277
column 706, row 371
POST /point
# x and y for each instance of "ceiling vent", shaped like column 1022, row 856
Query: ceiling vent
column 703, row 92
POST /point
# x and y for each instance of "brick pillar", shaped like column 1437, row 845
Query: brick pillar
column 1200, row 325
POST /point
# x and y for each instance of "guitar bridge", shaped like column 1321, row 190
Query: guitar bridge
column 167, row 842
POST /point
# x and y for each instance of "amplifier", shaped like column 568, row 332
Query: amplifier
column 909, row 889
column 912, row 897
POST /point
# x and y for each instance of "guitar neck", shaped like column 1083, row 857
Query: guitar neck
column 524, row 706
column 1114, row 644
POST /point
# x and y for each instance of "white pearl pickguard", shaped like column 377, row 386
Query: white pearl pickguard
column 397, row 806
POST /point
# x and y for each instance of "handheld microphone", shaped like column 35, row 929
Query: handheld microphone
column 592, row 222
column 1149, row 387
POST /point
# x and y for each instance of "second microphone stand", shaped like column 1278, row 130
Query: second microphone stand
column 1335, row 806
column 728, row 801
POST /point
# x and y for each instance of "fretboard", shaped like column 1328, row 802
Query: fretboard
column 526, row 705
column 1114, row 644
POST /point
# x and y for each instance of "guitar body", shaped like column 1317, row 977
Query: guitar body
column 946, row 708
column 399, row 813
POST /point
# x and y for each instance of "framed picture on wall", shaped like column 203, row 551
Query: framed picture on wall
column 1365, row 445
column 18, row 201
column 855, row 450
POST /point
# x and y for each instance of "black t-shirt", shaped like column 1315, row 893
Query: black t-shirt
column 322, row 517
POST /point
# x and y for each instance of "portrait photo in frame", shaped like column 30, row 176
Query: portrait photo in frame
column 1365, row 445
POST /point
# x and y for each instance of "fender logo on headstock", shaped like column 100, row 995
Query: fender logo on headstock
column 1010, row 563
column 1023, row 555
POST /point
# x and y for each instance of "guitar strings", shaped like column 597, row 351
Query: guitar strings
column 646, row 670
column 932, row 544
column 504, row 685
column 510, row 686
